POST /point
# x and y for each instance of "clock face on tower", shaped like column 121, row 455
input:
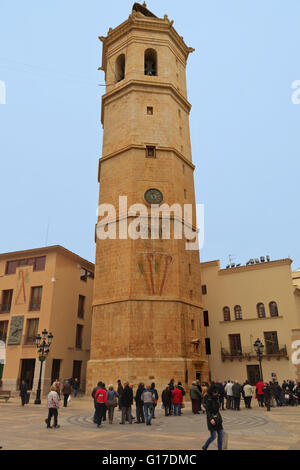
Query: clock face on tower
column 153, row 196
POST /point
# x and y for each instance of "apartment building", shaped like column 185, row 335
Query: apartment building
column 245, row 303
column 49, row 289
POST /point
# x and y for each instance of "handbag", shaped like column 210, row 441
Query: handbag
column 182, row 405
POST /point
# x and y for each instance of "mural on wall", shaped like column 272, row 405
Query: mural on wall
column 23, row 279
column 155, row 268
column 16, row 328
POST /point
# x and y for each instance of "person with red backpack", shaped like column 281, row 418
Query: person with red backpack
column 101, row 402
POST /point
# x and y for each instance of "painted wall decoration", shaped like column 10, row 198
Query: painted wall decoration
column 23, row 279
column 155, row 267
column 16, row 328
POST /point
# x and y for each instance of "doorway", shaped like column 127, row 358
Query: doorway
column 76, row 370
column 253, row 374
column 27, row 372
column 55, row 370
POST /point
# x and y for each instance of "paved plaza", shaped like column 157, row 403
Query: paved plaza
column 24, row 428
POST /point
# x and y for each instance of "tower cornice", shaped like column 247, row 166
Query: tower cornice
column 145, row 86
column 104, row 158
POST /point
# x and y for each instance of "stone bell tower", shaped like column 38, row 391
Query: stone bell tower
column 147, row 312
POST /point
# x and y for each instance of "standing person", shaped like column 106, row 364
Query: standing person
column 172, row 386
column 76, row 385
column 228, row 390
column 291, row 385
column 155, row 398
column 177, row 400
column 57, row 385
column 148, row 398
column 23, row 392
column 53, row 405
column 200, row 399
column 66, row 391
column 195, row 397
column 131, row 386
column 221, row 391
column 105, row 409
column 183, row 394
column 140, row 417
column 248, row 393
column 260, row 393
column 126, row 403
column 236, row 393
column 278, row 394
column 99, row 384
column 214, row 418
column 101, row 402
column 297, row 392
column 267, row 394
column 166, row 398
column 120, row 391
column 112, row 402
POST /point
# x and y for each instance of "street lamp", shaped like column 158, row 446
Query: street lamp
column 259, row 347
column 43, row 344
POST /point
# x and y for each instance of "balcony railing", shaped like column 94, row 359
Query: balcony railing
column 248, row 353
column 35, row 306
column 5, row 308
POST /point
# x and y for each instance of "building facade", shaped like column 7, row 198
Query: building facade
column 246, row 303
column 47, row 288
column 147, row 308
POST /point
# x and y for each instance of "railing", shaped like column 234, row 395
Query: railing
column 249, row 353
column 29, row 341
column 33, row 307
column 5, row 308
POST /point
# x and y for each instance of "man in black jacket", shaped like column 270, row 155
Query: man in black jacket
column 126, row 403
column 140, row 417
column 23, row 392
column 221, row 391
column 236, row 392
column 166, row 398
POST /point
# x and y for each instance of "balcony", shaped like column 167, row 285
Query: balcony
column 5, row 308
column 248, row 353
column 35, row 306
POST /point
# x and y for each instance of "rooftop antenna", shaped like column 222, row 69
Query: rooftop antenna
column 231, row 258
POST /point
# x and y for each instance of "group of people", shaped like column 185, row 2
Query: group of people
column 268, row 394
column 205, row 398
column 106, row 400
column 145, row 398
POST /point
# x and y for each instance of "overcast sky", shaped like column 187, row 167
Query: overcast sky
column 244, row 126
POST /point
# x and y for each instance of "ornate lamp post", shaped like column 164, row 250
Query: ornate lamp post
column 259, row 347
column 43, row 344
